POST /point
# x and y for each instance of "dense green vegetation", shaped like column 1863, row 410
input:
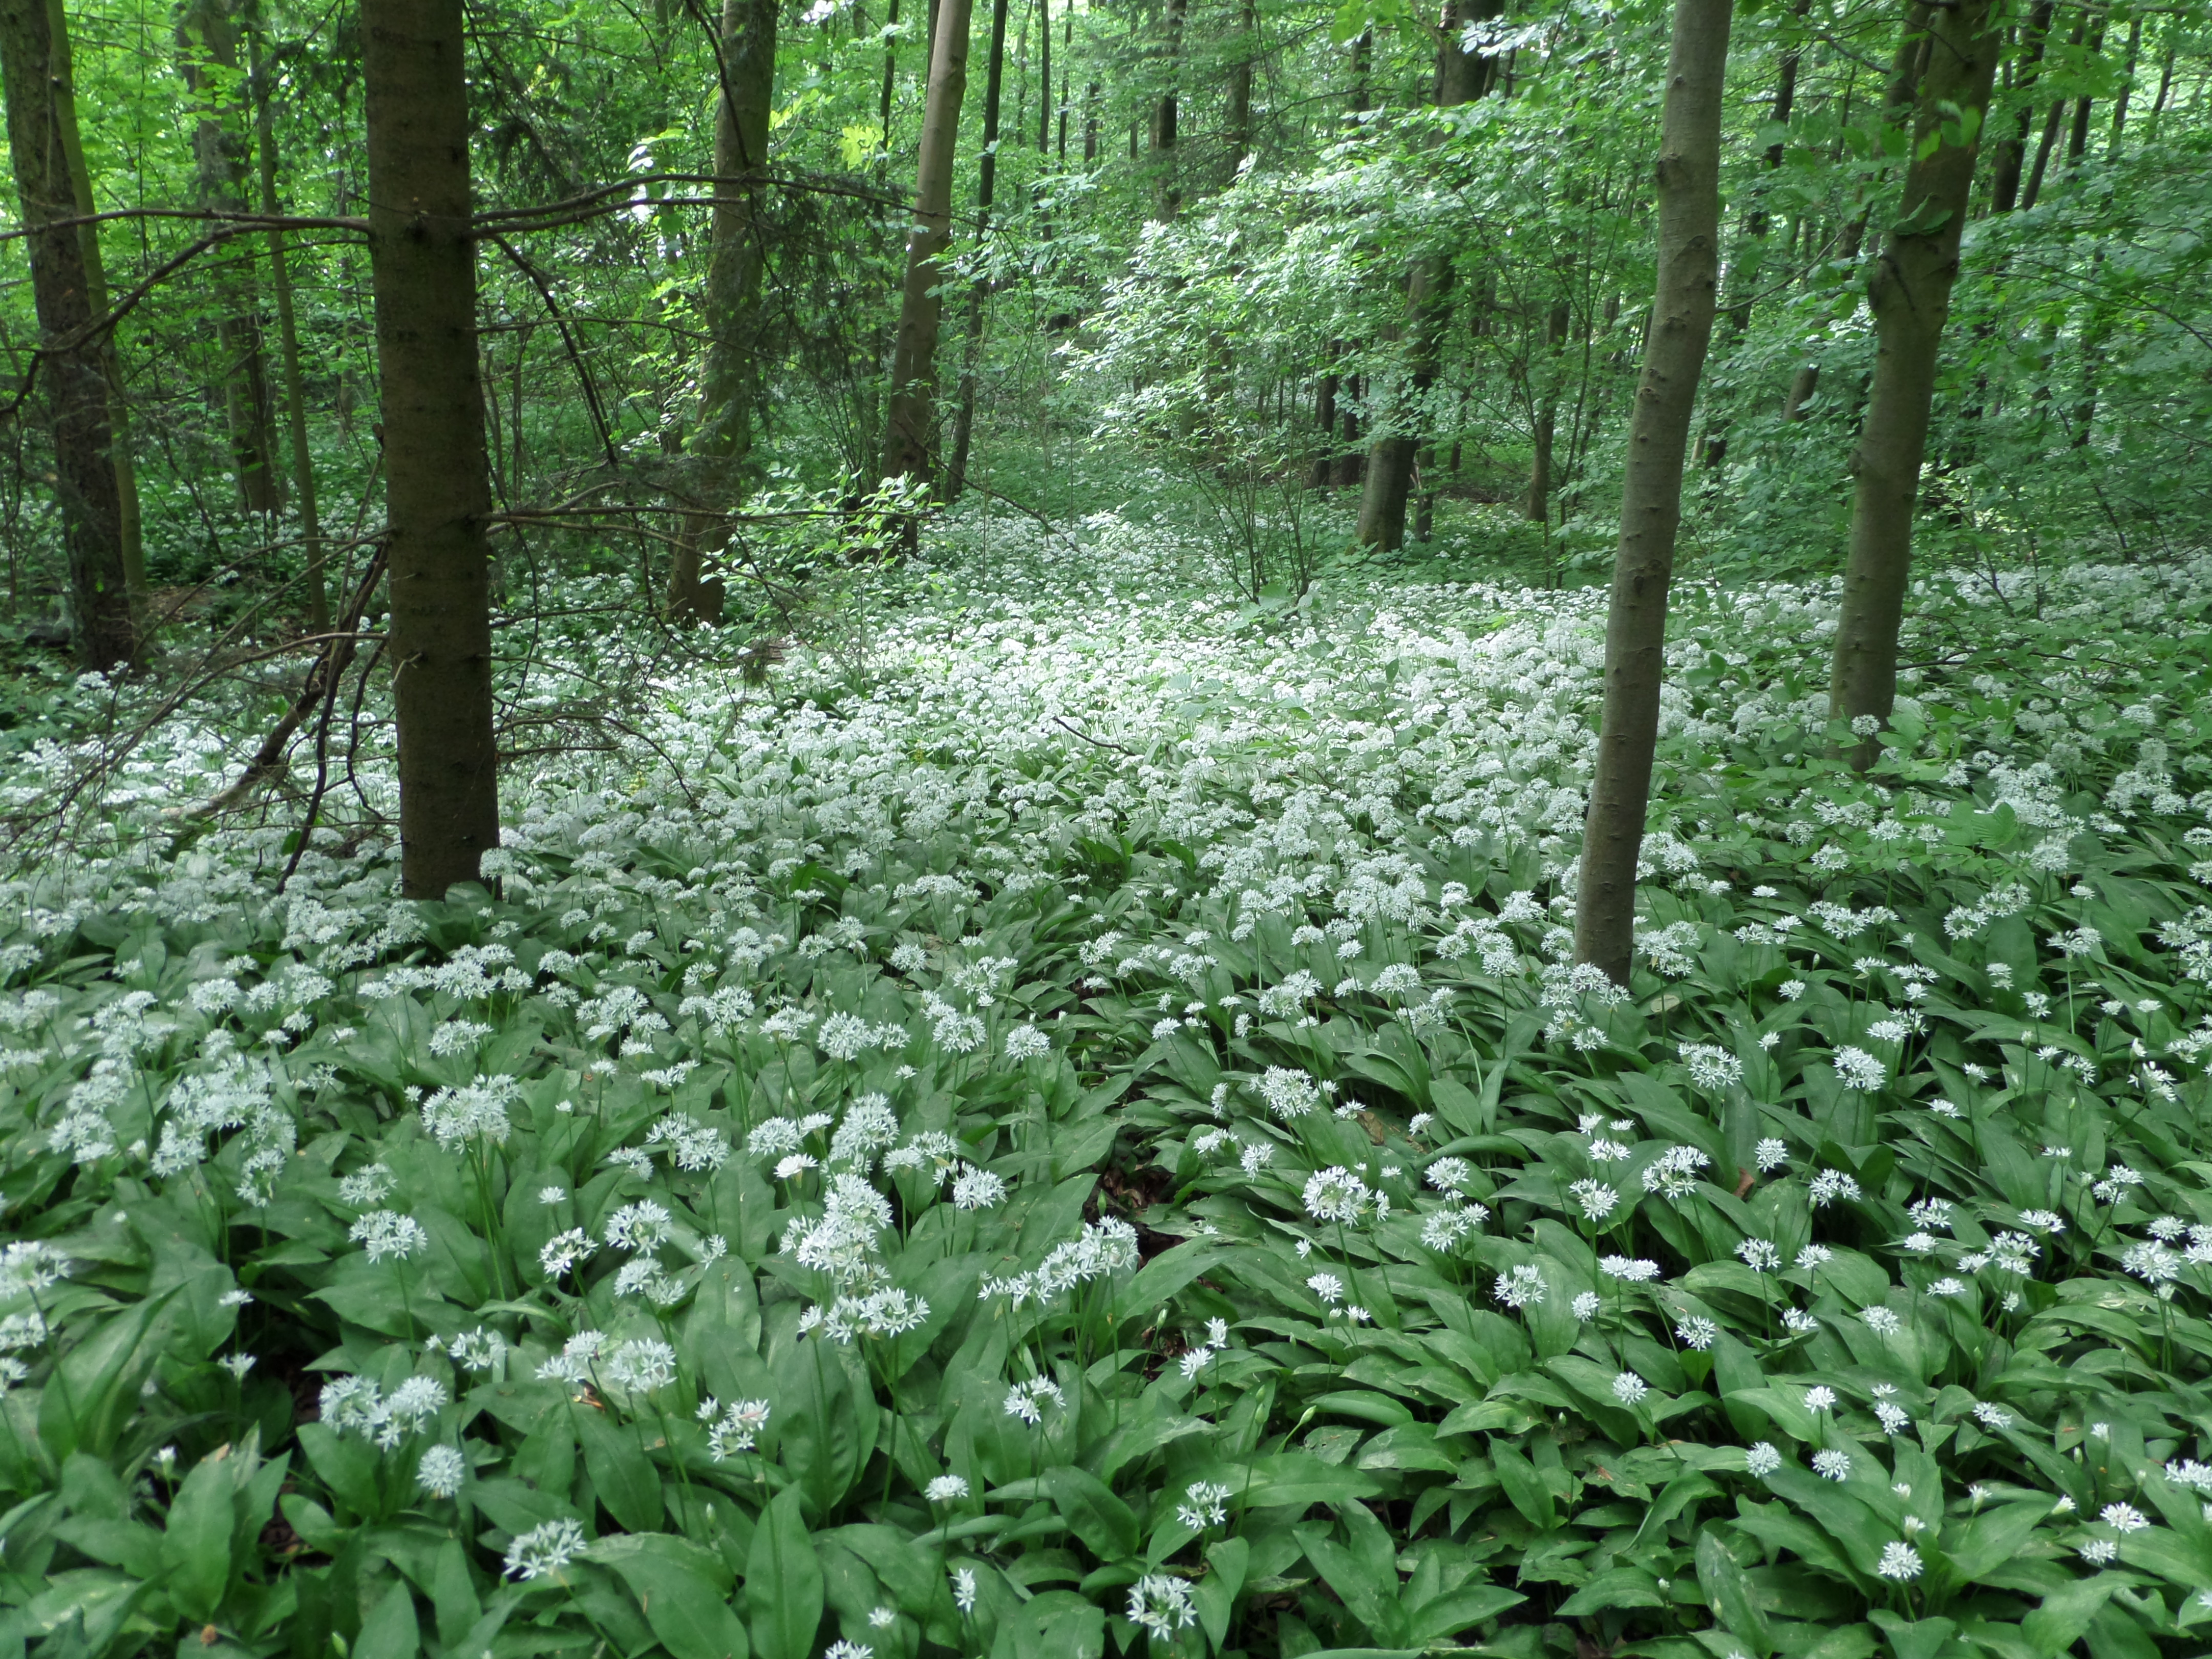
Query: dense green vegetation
column 678, row 980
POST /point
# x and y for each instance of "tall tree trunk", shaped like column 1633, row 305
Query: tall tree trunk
column 1751, row 258
column 70, row 366
column 1167, row 114
column 437, row 495
column 288, row 342
column 891, row 71
column 730, row 380
column 1067, row 77
column 1044, row 75
column 908, row 434
column 1090, row 124
column 207, row 44
column 1689, row 221
column 1537, row 504
column 1325, row 420
column 1391, row 456
column 2012, row 152
column 95, row 272
column 2127, row 85
column 2051, row 123
column 1910, row 293
column 963, row 423
column 1239, row 122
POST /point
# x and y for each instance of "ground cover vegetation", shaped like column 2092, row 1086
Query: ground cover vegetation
column 825, row 835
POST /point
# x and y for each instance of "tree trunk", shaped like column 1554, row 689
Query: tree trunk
column 1909, row 295
column 908, row 434
column 70, row 366
column 422, row 271
column 1349, row 466
column 891, row 71
column 1325, row 419
column 1391, row 457
column 1044, row 76
column 287, row 341
column 207, row 46
column 95, row 272
column 1689, row 209
column 1167, row 187
column 2127, row 85
column 1239, row 121
column 963, row 423
column 730, row 380
column 2012, row 152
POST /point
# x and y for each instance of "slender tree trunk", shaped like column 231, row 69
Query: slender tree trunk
column 1391, row 456
column 1167, row 114
column 2127, row 85
column 1349, row 466
column 437, row 495
column 1090, row 124
column 95, row 271
column 1537, row 504
column 1910, row 293
column 2012, row 152
column 2051, row 123
column 884, row 105
column 1239, row 122
column 71, row 368
column 1044, row 76
column 731, row 384
column 908, row 433
column 963, row 423
column 1066, row 78
column 288, row 342
column 1325, row 420
column 207, row 44
column 1651, row 487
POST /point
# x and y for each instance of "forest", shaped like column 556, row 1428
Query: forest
column 832, row 835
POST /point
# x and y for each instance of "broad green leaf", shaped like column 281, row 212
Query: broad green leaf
column 1616, row 1587
column 390, row 1631
column 783, row 1582
column 1106, row 1525
column 1728, row 1593
column 690, row 1615
column 196, row 1543
column 625, row 1479
column 1524, row 1488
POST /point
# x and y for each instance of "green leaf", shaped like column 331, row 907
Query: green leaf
column 1616, row 1587
column 690, row 1616
column 783, row 1582
column 626, row 1480
column 1989, row 1542
column 1456, row 1610
column 196, row 1547
column 390, row 1631
column 1524, row 1488
column 1728, row 1591
column 1106, row 1525
column 1363, row 1575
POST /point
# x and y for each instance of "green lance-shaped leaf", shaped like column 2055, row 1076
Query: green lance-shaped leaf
column 783, row 1582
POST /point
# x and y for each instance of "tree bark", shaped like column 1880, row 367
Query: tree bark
column 70, row 366
column 730, row 379
column 1167, row 115
column 2012, row 152
column 1391, row 456
column 1909, row 295
column 437, row 494
column 1239, row 121
column 963, row 423
column 207, row 46
column 1651, row 487
column 909, row 431
column 287, row 341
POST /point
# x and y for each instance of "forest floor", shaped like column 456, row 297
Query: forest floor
column 1431, row 1292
